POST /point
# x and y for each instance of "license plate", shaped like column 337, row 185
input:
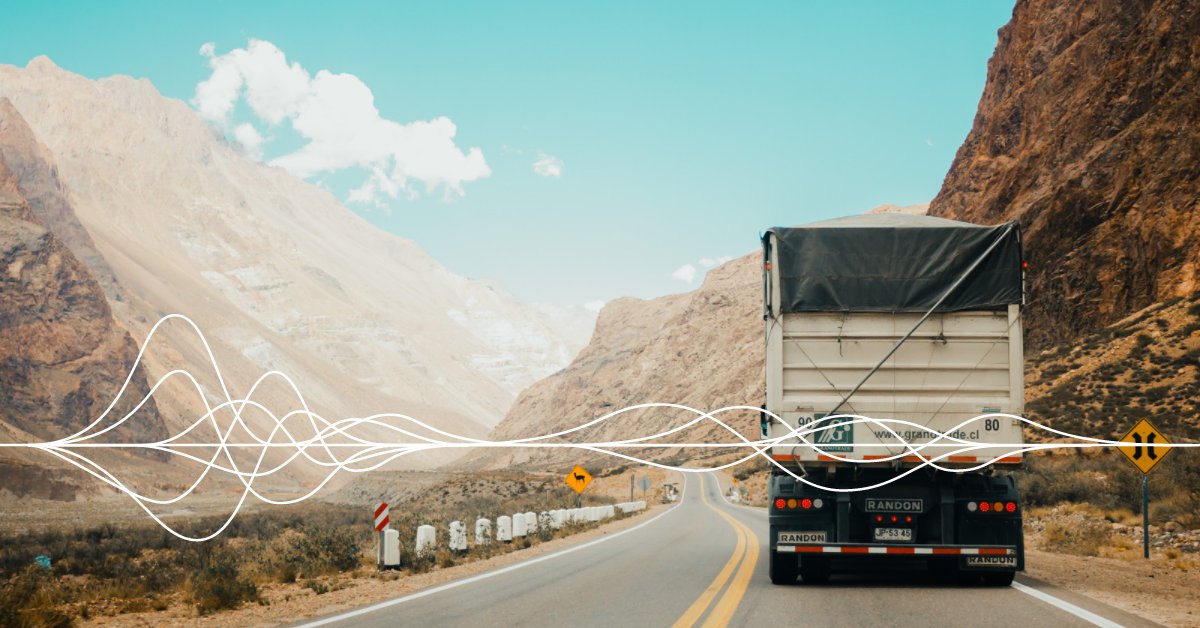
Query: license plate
column 801, row 537
column 893, row 534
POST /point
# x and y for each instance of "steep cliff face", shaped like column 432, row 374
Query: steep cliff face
column 703, row 349
column 39, row 182
column 62, row 356
column 1087, row 132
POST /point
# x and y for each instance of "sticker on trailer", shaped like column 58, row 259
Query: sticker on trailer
column 894, row 505
column 838, row 438
column 992, row 561
column 801, row 537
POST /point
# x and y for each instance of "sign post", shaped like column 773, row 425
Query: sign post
column 1143, row 440
column 578, row 479
column 631, row 476
column 381, row 522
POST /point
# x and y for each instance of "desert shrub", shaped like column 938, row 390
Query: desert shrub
column 749, row 468
column 218, row 586
column 1143, row 340
column 315, row 586
column 1082, row 536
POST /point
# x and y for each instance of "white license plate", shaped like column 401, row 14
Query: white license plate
column 893, row 534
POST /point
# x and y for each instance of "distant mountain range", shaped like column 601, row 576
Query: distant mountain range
column 167, row 216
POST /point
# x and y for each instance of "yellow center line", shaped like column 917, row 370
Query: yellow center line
column 747, row 547
column 723, row 612
column 698, row 607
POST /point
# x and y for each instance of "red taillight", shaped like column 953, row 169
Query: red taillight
column 893, row 518
column 779, row 503
column 984, row 506
column 1010, row 507
column 878, row 518
column 908, row 519
column 808, row 503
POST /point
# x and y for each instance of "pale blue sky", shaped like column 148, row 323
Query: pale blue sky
column 684, row 129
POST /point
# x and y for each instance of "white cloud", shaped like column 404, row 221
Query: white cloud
column 336, row 113
column 928, row 143
column 709, row 263
column 548, row 165
column 250, row 139
column 594, row 306
column 686, row 273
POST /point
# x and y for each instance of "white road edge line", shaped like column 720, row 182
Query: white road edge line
column 1066, row 606
column 457, row 583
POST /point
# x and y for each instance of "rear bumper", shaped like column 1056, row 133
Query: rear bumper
column 875, row 549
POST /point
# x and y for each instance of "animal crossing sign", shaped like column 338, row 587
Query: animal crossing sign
column 578, row 479
column 1145, row 447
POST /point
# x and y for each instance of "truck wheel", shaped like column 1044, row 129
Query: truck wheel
column 998, row 578
column 783, row 568
column 814, row 570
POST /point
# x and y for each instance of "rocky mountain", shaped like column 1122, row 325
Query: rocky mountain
column 276, row 272
column 62, row 356
column 1087, row 133
column 702, row 349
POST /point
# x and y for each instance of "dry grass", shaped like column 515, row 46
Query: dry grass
column 111, row 569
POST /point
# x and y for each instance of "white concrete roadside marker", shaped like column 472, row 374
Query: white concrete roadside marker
column 426, row 539
column 557, row 519
column 458, row 536
column 483, row 532
column 391, row 548
column 518, row 525
column 531, row 522
column 544, row 520
column 609, row 511
column 504, row 528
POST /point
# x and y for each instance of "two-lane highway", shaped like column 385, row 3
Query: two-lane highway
column 704, row 564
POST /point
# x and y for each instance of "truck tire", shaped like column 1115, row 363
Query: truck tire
column 814, row 570
column 998, row 578
column 783, row 568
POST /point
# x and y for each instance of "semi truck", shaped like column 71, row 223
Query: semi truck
column 893, row 386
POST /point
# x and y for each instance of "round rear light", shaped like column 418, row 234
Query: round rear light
column 1010, row 507
column 984, row 506
column 791, row 503
column 808, row 503
column 972, row 507
column 893, row 518
column 817, row 503
column 908, row 519
column 779, row 503
column 878, row 518
column 998, row 506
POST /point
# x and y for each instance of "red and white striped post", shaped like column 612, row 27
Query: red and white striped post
column 381, row 522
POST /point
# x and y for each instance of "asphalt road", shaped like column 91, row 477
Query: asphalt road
column 703, row 564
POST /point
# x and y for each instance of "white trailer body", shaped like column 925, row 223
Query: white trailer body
column 955, row 367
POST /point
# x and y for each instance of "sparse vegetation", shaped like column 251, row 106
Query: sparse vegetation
column 137, row 569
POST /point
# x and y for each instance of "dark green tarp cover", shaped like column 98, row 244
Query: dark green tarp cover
column 896, row 263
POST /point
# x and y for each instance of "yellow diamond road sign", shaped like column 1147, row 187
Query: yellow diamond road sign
column 578, row 479
column 1145, row 448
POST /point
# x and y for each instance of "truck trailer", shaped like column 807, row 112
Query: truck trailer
column 913, row 322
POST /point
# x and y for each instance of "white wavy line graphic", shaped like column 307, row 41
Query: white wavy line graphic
column 368, row 454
